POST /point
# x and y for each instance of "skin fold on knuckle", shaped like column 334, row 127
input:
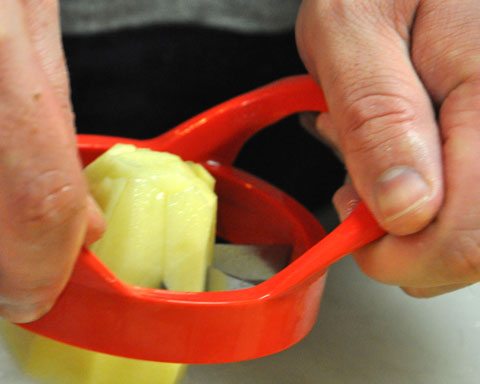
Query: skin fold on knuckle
column 376, row 122
column 461, row 109
column 454, row 62
column 49, row 199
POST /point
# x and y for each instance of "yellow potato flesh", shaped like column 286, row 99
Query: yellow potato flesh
column 161, row 215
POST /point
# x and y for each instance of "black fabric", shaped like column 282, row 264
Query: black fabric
column 141, row 82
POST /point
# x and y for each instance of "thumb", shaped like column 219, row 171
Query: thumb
column 384, row 119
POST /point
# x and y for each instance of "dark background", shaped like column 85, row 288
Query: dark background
column 141, row 82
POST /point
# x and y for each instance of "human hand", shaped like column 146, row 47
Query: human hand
column 385, row 66
column 45, row 212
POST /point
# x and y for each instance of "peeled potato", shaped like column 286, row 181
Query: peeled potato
column 161, row 215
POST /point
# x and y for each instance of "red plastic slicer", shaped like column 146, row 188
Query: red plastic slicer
column 98, row 312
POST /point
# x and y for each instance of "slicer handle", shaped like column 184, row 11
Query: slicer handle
column 219, row 133
column 358, row 230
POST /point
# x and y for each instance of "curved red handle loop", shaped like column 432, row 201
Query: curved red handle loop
column 220, row 132
column 224, row 129
column 358, row 230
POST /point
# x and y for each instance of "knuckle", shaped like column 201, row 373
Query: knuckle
column 376, row 122
column 462, row 103
column 461, row 110
column 50, row 199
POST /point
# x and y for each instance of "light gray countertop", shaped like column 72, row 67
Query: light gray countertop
column 366, row 333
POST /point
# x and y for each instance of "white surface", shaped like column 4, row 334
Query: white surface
column 366, row 333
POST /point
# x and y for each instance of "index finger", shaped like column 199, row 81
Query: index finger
column 42, row 190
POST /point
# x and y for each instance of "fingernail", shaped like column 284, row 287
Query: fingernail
column 345, row 200
column 307, row 120
column 94, row 209
column 399, row 191
column 96, row 222
column 25, row 313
